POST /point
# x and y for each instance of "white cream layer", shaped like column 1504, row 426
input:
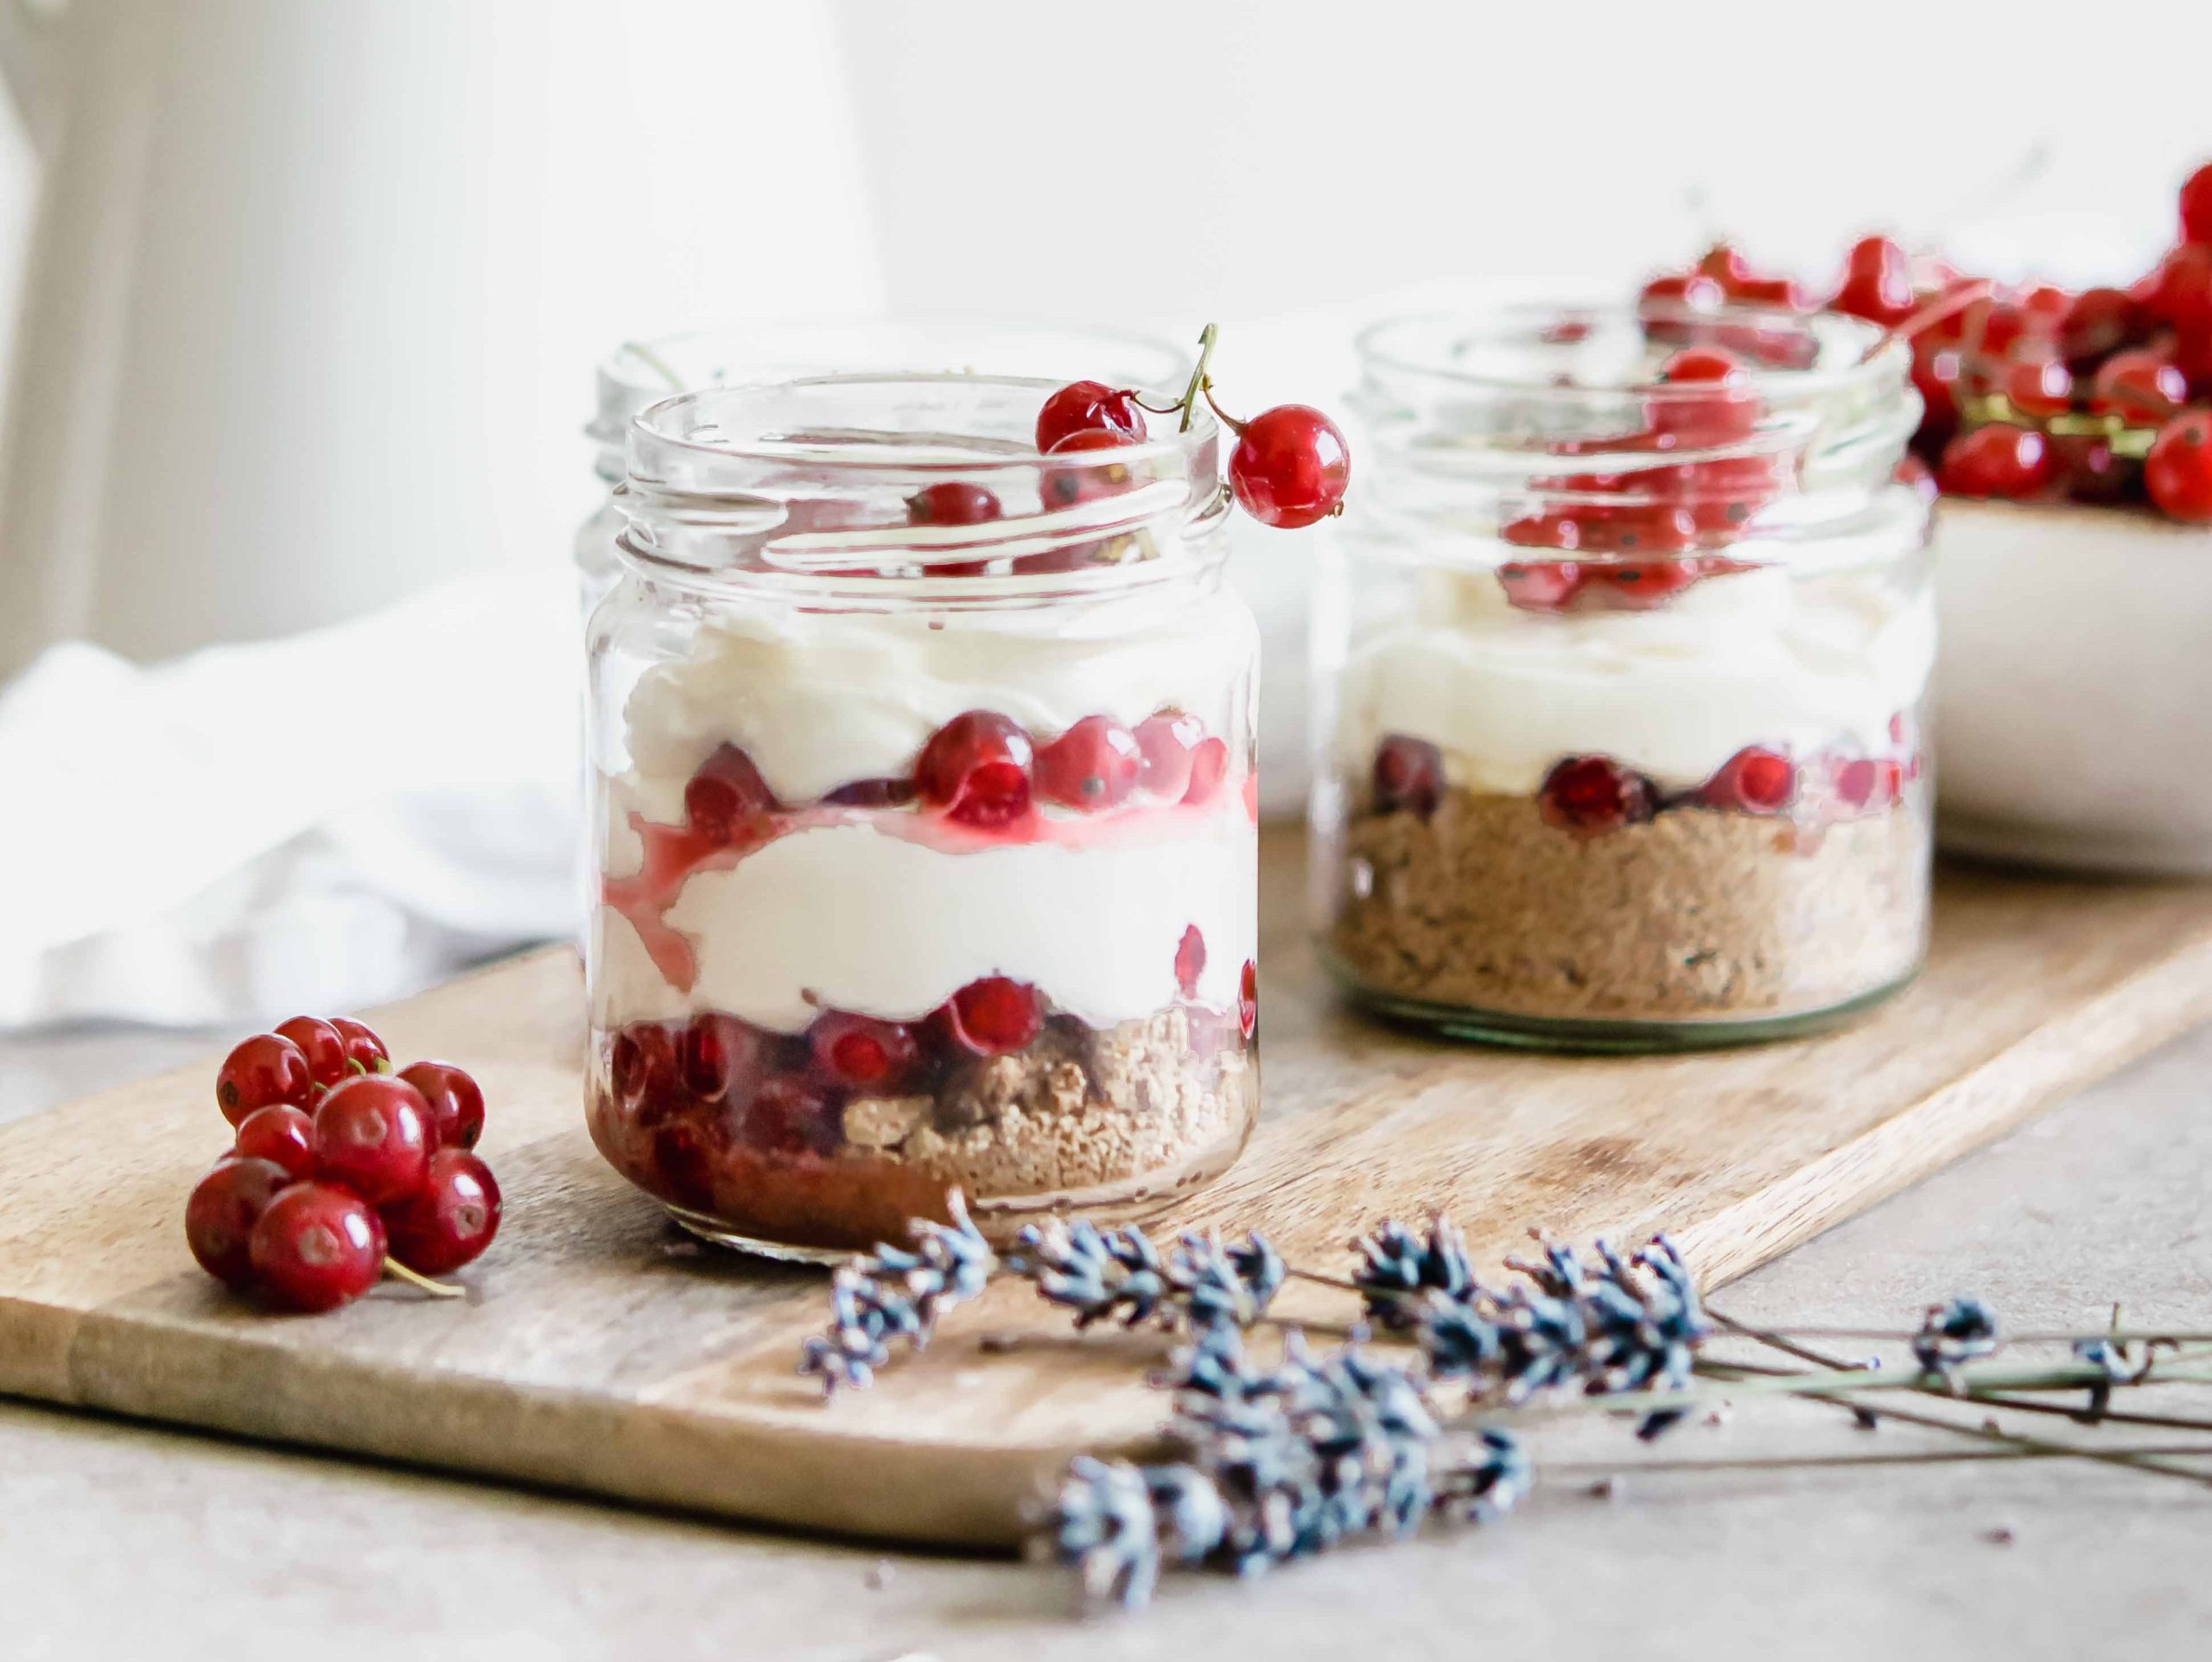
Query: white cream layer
column 1752, row 658
column 819, row 700
column 845, row 917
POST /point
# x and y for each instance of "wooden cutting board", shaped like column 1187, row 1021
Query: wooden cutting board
column 603, row 1352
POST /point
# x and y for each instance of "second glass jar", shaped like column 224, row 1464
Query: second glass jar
column 1623, row 653
column 922, row 775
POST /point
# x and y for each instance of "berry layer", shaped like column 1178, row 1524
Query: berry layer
column 1805, row 664
column 870, row 916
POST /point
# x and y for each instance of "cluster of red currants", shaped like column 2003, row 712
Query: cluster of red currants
column 1289, row 467
column 341, row 1170
column 2033, row 392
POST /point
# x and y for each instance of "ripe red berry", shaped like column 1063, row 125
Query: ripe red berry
column 2100, row 322
column 952, row 502
column 316, row 1247
column 1539, row 586
column 1089, row 407
column 1730, row 413
column 1164, row 744
column 280, row 1133
column 974, row 768
column 1248, row 999
column 862, row 1053
column 1784, row 293
column 373, row 1134
column 224, row 1206
column 362, row 1045
column 1755, row 780
column 2091, row 471
column 995, row 1016
column 455, row 1102
column 1868, row 782
column 726, row 797
column 2179, row 291
column 1093, row 764
column 1290, row 466
column 1409, row 774
column 1209, row 767
column 1996, row 461
column 1876, row 282
column 322, row 1044
column 1593, row 793
column 450, row 1219
column 643, row 1067
column 1693, row 290
column 262, row 1070
column 2140, row 386
column 2196, row 206
column 721, row 1057
column 788, row 1117
column 1190, row 961
column 2038, row 386
column 2178, row 470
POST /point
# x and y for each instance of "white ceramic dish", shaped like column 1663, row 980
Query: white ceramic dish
column 2074, row 687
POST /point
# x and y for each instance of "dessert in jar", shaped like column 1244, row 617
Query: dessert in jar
column 1626, row 645
column 640, row 373
column 922, row 768
column 2070, row 432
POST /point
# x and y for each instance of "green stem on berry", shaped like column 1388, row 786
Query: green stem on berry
column 655, row 362
column 394, row 1268
column 1207, row 337
column 1223, row 416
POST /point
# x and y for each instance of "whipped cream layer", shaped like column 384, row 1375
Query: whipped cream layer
column 1753, row 658
column 819, row 700
column 849, row 918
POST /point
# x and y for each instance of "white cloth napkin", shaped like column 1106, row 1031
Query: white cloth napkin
column 304, row 825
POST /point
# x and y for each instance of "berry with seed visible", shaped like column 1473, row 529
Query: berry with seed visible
column 952, row 502
column 1093, row 764
column 1539, row 585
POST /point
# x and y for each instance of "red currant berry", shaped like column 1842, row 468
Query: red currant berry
column 1718, row 418
column 373, row 1134
column 1540, row 586
column 1209, row 767
column 862, row 1053
column 1247, row 999
column 2092, row 472
column 2180, row 291
column 723, row 1058
column 259, row 1071
column 2178, row 470
column 2196, row 206
column 1868, row 784
column 952, row 502
column 455, row 1102
column 1290, row 466
column 1755, row 780
column 1725, row 266
column 1093, row 764
column 1876, row 282
column 1408, row 775
column 1996, row 461
column 976, row 769
column 643, row 1067
column 1089, row 407
column 1938, row 369
column 1786, row 293
column 1190, row 961
column 1593, row 793
column 1065, row 487
column 1691, row 290
column 996, row 1016
column 1166, row 743
column 280, row 1133
column 450, row 1219
column 726, row 797
column 2141, row 386
column 316, row 1247
column 362, row 1045
column 322, row 1044
column 224, row 1206
column 2100, row 322
column 2038, row 386
column 788, row 1117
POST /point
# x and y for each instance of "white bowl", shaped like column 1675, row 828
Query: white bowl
column 2074, row 687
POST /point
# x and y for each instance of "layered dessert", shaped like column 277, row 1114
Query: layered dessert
column 907, row 900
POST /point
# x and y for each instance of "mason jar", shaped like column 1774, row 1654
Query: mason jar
column 1623, row 651
column 922, row 777
column 639, row 373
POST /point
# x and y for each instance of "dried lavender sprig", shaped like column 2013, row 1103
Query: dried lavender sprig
column 1395, row 1268
column 1961, row 1329
column 893, row 1293
column 1198, row 1283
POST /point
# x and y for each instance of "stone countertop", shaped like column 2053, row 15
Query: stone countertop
column 118, row 1539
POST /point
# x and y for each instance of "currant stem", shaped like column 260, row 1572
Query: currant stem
column 1943, row 306
column 1225, row 417
column 655, row 362
column 394, row 1268
column 1207, row 337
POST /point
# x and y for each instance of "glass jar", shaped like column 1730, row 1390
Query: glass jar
column 639, row 373
column 927, row 852
column 1622, row 657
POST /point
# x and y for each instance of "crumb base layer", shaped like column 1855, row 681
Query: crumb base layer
column 1697, row 928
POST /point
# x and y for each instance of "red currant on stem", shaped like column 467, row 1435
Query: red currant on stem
column 2178, row 472
column 447, row 1222
column 455, row 1102
column 219, row 1218
column 262, row 1071
column 2140, row 386
column 316, row 1245
column 322, row 1044
column 2038, row 386
column 374, row 1135
column 1085, row 407
column 1290, row 465
column 363, row 1047
column 281, row 1133
column 1876, row 282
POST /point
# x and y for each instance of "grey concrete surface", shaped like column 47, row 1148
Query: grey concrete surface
column 118, row 1540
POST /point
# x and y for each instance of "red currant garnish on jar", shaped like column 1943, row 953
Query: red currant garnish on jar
column 1876, row 282
column 1290, row 466
column 1087, row 407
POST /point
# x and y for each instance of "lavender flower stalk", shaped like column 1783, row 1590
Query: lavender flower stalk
column 893, row 1293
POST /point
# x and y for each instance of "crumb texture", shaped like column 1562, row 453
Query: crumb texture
column 1697, row 913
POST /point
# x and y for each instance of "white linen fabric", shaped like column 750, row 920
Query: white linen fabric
column 308, row 824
